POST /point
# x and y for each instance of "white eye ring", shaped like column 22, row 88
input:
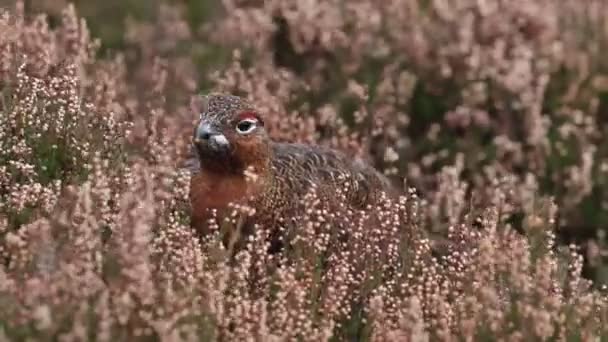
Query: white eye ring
column 246, row 126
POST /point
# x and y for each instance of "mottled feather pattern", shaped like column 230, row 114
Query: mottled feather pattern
column 285, row 172
column 302, row 166
column 224, row 108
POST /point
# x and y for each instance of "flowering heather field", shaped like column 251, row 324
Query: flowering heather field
column 490, row 116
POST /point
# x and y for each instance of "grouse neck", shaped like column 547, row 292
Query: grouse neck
column 231, row 168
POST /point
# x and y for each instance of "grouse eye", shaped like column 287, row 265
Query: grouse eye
column 246, row 126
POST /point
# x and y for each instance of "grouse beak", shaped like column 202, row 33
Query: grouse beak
column 208, row 136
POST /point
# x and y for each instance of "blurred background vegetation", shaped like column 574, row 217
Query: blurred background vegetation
column 495, row 112
column 539, row 122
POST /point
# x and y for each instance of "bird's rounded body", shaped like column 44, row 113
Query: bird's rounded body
column 269, row 177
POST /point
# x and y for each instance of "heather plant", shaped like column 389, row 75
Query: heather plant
column 462, row 103
column 55, row 118
column 465, row 92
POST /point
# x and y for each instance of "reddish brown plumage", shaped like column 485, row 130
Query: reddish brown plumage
column 214, row 191
column 282, row 173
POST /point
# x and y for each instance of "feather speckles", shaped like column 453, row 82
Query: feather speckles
column 283, row 173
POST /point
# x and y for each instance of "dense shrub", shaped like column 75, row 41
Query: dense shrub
column 486, row 113
column 455, row 96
